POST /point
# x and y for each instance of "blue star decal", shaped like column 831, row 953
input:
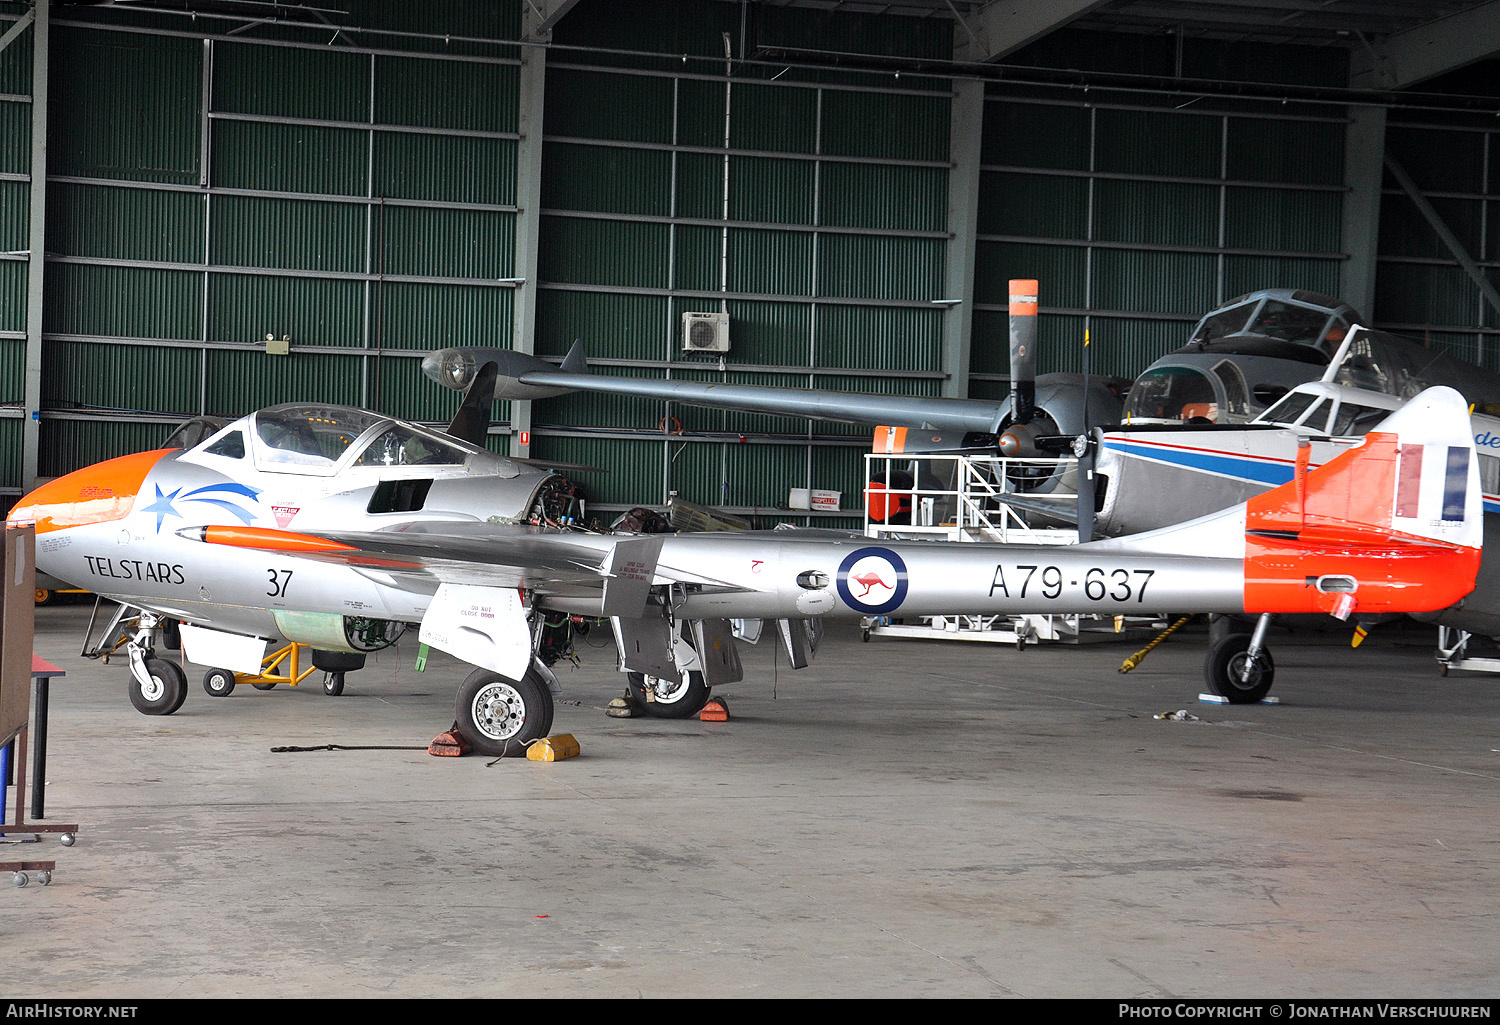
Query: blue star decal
column 163, row 506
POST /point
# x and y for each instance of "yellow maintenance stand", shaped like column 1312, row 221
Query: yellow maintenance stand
column 284, row 665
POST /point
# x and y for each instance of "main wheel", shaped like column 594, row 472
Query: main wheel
column 333, row 684
column 500, row 716
column 668, row 699
column 219, row 683
column 264, row 686
column 1231, row 673
column 165, row 693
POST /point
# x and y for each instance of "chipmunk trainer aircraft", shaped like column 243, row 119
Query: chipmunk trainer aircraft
column 337, row 527
column 1205, row 467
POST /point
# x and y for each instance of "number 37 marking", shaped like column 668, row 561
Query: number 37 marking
column 279, row 581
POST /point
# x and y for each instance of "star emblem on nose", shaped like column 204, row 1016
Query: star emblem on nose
column 163, row 506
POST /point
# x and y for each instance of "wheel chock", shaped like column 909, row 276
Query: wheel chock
column 553, row 749
column 449, row 745
column 1219, row 699
column 624, row 708
column 714, row 711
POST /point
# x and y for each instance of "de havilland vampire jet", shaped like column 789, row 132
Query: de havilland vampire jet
column 338, row 527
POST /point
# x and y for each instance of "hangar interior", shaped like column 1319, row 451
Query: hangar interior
column 183, row 182
column 211, row 206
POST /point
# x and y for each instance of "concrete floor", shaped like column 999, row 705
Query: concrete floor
column 904, row 819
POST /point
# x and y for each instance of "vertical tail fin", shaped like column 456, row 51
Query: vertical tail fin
column 1394, row 524
column 575, row 362
column 472, row 421
column 1415, row 476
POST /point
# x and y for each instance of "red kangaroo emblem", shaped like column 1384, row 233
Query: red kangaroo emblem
column 867, row 581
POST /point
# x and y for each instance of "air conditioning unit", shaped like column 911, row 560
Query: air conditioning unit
column 705, row 332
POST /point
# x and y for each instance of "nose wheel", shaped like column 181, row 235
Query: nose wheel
column 159, row 688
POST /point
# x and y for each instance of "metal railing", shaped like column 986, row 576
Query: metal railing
column 971, row 498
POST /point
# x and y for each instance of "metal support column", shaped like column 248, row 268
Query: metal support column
column 532, row 91
column 32, row 385
column 1364, row 151
column 966, row 120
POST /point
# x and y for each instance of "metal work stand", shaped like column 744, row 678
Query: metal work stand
column 67, row 830
column 1453, row 653
column 17, row 605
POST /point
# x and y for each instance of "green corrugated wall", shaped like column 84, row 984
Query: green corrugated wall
column 359, row 196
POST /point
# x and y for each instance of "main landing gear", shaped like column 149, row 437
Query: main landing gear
column 1239, row 666
column 499, row 716
column 663, row 698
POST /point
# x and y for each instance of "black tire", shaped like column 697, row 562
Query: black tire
column 663, row 699
column 1225, row 663
column 337, row 661
column 499, row 716
column 182, row 693
column 44, row 597
column 333, row 684
column 264, row 686
column 167, row 692
column 218, row 683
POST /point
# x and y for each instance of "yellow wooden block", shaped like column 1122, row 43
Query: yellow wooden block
column 553, row 749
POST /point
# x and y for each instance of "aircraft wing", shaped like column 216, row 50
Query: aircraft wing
column 520, row 376
column 980, row 415
column 568, row 564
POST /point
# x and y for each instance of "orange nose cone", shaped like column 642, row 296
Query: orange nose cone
column 95, row 494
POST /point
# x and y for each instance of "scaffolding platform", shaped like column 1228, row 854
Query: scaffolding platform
column 967, row 498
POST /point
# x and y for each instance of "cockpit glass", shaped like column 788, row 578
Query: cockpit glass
column 1290, row 323
column 1289, row 410
column 402, row 446
column 231, row 446
column 1225, row 322
column 1334, row 334
column 1172, row 393
column 308, row 438
column 1318, row 418
column 1354, row 420
column 1236, row 391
